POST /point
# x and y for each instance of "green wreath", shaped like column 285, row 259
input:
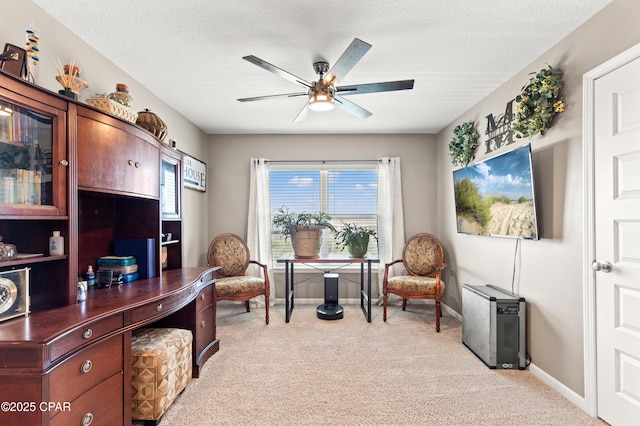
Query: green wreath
column 539, row 102
column 463, row 146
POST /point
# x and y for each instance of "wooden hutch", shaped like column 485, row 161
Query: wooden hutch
column 66, row 166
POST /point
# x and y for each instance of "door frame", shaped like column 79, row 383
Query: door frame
column 589, row 291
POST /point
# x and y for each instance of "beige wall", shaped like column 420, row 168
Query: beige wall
column 550, row 271
column 229, row 159
column 102, row 75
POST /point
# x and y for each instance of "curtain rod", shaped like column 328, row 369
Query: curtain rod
column 323, row 161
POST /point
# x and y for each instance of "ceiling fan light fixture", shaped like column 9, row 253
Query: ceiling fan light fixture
column 320, row 102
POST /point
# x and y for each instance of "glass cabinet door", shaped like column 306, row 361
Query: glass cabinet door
column 29, row 181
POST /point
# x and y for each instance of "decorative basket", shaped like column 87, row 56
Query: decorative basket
column 150, row 121
column 114, row 108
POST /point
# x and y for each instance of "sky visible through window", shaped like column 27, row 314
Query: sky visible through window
column 349, row 192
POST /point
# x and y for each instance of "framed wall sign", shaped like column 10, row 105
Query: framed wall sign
column 194, row 173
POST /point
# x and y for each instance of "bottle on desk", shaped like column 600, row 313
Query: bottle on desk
column 91, row 276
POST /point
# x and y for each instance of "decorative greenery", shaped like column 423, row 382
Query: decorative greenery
column 539, row 102
column 289, row 222
column 351, row 233
column 463, row 146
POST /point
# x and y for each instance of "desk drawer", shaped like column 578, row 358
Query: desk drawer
column 103, row 405
column 86, row 369
column 162, row 306
column 84, row 334
column 204, row 298
column 204, row 331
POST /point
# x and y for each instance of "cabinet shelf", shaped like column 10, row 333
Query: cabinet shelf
column 31, row 260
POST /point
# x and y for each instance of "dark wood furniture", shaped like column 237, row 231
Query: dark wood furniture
column 290, row 260
column 81, row 354
column 96, row 178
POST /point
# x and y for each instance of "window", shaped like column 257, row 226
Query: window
column 348, row 193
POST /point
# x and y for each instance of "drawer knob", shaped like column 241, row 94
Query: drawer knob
column 86, row 366
column 203, row 324
column 87, row 333
column 130, row 162
column 202, row 296
column 159, row 307
column 87, row 419
column 137, row 165
column 64, row 163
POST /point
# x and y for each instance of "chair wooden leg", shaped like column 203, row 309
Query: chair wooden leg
column 246, row 304
column 266, row 309
column 384, row 307
column 404, row 304
column 438, row 315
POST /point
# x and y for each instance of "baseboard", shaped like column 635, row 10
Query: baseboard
column 451, row 312
column 563, row 390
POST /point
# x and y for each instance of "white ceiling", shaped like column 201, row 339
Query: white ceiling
column 189, row 53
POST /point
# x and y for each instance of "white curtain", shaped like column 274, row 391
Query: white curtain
column 259, row 222
column 390, row 215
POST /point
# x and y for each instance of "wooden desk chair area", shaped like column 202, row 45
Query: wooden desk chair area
column 231, row 254
column 423, row 259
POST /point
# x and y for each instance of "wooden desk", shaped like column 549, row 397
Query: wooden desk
column 289, row 260
column 80, row 355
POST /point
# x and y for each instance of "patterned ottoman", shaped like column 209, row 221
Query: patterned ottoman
column 161, row 369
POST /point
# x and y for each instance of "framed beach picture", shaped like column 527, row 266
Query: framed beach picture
column 194, row 173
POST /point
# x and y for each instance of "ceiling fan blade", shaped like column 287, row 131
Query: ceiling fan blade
column 277, row 71
column 302, row 115
column 268, row 97
column 349, row 106
column 347, row 61
column 388, row 86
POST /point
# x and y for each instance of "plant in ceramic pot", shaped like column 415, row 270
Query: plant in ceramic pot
column 355, row 239
column 304, row 229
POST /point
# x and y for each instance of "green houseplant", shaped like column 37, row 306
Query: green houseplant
column 304, row 229
column 354, row 238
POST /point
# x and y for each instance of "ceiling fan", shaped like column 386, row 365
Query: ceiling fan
column 324, row 93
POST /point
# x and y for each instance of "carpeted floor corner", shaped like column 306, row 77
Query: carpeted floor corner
column 350, row 372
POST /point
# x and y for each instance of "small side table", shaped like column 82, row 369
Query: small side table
column 289, row 260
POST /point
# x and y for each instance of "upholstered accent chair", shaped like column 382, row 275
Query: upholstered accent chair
column 423, row 259
column 231, row 254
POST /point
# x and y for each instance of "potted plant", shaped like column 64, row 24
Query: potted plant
column 355, row 239
column 304, row 229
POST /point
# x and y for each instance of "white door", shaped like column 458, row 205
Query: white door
column 617, row 243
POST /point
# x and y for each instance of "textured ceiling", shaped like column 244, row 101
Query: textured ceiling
column 189, row 53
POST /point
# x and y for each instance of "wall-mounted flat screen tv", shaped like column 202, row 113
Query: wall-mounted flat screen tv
column 496, row 197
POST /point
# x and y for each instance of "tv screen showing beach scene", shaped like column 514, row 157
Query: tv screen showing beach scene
column 496, row 196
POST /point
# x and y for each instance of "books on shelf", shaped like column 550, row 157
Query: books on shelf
column 124, row 266
column 20, row 186
column 116, row 260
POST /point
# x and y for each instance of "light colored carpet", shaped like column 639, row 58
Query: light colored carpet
column 350, row 372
